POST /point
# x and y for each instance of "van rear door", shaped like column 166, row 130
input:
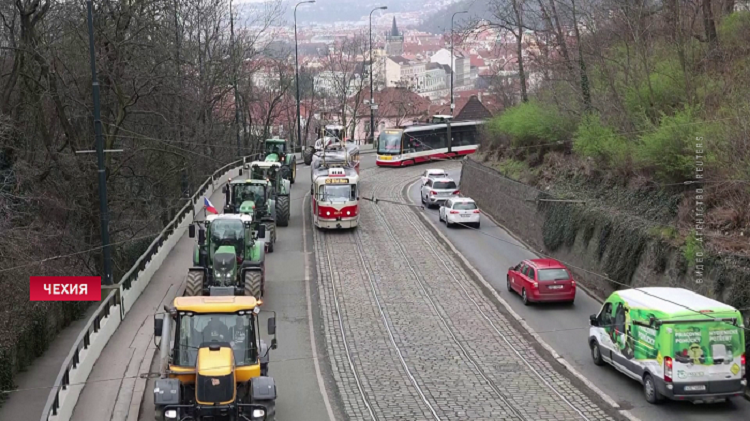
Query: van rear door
column 707, row 354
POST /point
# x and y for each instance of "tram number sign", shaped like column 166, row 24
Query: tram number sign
column 337, row 181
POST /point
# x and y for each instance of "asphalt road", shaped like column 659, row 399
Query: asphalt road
column 491, row 250
column 292, row 364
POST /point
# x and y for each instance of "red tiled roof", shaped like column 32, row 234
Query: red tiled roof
column 397, row 102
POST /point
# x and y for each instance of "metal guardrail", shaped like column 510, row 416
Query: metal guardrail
column 115, row 298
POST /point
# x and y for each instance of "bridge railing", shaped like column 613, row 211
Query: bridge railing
column 120, row 298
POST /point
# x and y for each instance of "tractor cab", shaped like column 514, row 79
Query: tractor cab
column 213, row 362
column 257, row 197
column 275, row 150
column 228, row 258
column 243, row 196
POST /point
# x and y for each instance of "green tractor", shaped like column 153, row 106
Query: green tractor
column 281, row 187
column 254, row 197
column 229, row 258
column 276, row 151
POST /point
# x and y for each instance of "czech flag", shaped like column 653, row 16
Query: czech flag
column 209, row 207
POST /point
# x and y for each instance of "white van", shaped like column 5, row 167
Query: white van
column 680, row 345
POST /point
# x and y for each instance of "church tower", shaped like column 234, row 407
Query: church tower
column 394, row 44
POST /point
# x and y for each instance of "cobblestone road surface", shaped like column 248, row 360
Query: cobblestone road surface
column 411, row 336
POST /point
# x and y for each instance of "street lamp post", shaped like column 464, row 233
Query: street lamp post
column 372, row 73
column 103, row 211
column 453, row 62
column 296, row 73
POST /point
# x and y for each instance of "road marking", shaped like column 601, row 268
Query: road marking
column 318, row 375
column 518, row 317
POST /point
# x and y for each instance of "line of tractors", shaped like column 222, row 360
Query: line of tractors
column 213, row 361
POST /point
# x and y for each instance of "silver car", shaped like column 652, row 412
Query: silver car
column 437, row 191
column 433, row 174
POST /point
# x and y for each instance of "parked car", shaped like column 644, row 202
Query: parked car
column 437, row 191
column 433, row 174
column 460, row 210
column 541, row 280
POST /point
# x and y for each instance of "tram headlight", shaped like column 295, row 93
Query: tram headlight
column 328, row 213
column 348, row 213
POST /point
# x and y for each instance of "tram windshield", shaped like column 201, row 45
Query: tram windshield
column 389, row 142
column 338, row 193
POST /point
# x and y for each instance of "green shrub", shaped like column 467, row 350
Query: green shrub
column 600, row 142
column 670, row 150
column 733, row 30
column 531, row 123
column 512, row 168
column 662, row 93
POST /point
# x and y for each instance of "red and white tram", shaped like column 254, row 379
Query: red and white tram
column 427, row 142
column 335, row 199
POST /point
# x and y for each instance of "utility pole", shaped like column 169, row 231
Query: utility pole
column 234, row 71
column 373, row 106
column 453, row 72
column 103, row 211
column 296, row 75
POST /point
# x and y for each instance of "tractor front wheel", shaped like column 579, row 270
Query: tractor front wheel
column 282, row 211
column 194, row 284
column 253, row 284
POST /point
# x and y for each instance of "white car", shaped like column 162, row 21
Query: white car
column 460, row 210
column 437, row 191
column 433, row 174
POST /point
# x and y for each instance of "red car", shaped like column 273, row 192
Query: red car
column 542, row 280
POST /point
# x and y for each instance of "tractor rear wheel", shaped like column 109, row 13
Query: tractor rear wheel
column 307, row 154
column 194, row 284
column 294, row 170
column 253, row 284
column 282, row 211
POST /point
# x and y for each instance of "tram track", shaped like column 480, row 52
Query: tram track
column 419, row 228
column 342, row 330
column 419, row 347
column 372, row 276
column 418, row 276
column 412, row 220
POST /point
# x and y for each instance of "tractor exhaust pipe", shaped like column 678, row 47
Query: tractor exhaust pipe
column 165, row 345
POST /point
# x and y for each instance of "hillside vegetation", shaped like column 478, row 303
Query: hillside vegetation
column 645, row 109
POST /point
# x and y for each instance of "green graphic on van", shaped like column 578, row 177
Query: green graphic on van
column 698, row 343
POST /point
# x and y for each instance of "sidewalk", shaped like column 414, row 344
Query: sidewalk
column 35, row 383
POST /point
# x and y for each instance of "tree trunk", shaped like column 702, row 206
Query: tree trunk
column 585, row 88
column 517, row 4
column 709, row 25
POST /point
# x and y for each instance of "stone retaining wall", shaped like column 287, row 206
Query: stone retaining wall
column 603, row 241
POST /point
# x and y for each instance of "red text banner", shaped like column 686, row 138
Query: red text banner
column 65, row 288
